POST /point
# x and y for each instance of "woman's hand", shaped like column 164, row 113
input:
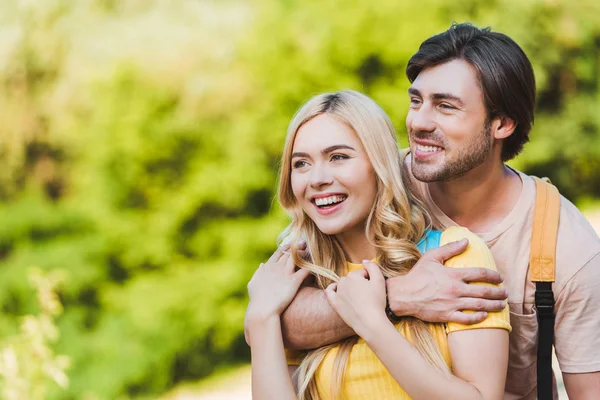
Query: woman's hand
column 359, row 299
column 274, row 285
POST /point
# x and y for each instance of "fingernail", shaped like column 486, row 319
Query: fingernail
column 366, row 261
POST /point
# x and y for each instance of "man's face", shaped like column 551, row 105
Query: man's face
column 447, row 122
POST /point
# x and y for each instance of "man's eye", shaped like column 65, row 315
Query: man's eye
column 415, row 101
column 447, row 106
column 338, row 157
column 299, row 164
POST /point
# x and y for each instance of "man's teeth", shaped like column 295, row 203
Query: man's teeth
column 429, row 149
column 329, row 200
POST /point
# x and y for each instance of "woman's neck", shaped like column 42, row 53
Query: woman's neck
column 356, row 246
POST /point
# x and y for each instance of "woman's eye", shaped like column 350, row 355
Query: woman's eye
column 299, row 164
column 338, row 157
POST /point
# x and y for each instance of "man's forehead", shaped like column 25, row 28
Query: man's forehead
column 456, row 77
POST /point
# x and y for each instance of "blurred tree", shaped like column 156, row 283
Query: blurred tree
column 140, row 142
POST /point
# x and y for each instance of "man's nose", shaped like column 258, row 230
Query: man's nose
column 320, row 176
column 421, row 120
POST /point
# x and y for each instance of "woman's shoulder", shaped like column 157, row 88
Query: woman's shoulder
column 476, row 254
column 456, row 233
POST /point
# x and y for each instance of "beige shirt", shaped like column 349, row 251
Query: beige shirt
column 576, row 290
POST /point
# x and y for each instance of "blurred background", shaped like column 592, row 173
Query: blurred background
column 139, row 148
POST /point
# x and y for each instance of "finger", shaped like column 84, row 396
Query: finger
column 277, row 254
column 301, row 274
column 330, row 293
column 460, row 317
column 483, row 292
column 481, row 275
column 284, row 250
column 359, row 273
column 289, row 264
column 482, row 305
column 443, row 253
column 374, row 272
column 286, row 255
column 302, row 244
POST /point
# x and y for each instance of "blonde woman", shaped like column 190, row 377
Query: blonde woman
column 341, row 183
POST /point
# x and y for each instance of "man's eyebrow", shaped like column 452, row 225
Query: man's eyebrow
column 438, row 96
column 326, row 150
column 447, row 96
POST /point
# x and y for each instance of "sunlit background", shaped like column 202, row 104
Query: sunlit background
column 139, row 147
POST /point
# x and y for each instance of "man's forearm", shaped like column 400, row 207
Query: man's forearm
column 310, row 322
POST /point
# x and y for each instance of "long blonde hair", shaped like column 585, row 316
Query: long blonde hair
column 395, row 223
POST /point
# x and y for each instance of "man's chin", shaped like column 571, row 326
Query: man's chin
column 425, row 174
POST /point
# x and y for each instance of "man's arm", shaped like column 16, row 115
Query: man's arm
column 577, row 332
column 310, row 322
column 430, row 292
column 434, row 293
column 582, row 386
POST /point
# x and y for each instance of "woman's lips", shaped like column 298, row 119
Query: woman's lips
column 329, row 209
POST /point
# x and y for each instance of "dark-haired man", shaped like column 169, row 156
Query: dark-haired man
column 471, row 109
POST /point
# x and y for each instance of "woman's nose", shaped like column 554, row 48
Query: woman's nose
column 320, row 177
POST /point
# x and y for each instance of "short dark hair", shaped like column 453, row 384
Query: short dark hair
column 505, row 74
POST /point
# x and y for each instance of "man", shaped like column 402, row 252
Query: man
column 471, row 109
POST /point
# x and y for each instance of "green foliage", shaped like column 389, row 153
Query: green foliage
column 27, row 361
column 140, row 141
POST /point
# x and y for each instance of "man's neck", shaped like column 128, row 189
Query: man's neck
column 480, row 199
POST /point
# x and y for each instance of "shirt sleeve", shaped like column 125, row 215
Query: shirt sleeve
column 577, row 327
column 477, row 254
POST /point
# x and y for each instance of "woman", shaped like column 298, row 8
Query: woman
column 341, row 183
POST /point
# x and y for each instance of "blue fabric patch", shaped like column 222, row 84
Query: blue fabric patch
column 431, row 240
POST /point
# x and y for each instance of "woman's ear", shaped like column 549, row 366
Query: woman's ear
column 504, row 127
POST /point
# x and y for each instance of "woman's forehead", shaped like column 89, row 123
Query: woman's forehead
column 324, row 131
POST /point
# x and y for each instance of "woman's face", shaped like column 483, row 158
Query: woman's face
column 332, row 177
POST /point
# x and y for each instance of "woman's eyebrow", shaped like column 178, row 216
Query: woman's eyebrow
column 326, row 150
column 300, row 154
column 335, row 147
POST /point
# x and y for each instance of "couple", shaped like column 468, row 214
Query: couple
column 345, row 185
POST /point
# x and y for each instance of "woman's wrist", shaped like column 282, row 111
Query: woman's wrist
column 256, row 320
column 372, row 325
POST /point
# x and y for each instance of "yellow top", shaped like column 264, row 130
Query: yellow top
column 366, row 377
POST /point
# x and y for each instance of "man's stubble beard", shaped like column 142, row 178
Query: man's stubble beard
column 471, row 156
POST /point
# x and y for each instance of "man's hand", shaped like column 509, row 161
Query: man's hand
column 434, row 293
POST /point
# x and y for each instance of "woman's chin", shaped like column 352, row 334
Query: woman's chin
column 330, row 229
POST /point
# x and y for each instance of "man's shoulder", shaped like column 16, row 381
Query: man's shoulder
column 571, row 219
column 577, row 242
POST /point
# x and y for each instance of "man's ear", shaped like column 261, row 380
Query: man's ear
column 503, row 127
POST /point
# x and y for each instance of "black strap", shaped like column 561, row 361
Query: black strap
column 544, row 304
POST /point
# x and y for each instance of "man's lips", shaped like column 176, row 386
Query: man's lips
column 423, row 149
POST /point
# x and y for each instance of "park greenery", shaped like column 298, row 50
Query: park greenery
column 140, row 142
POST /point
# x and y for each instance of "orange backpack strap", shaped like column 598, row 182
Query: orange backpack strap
column 542, row 258
column 542, row 265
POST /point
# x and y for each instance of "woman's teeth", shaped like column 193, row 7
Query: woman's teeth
column 429, row 149
column 325, row 201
